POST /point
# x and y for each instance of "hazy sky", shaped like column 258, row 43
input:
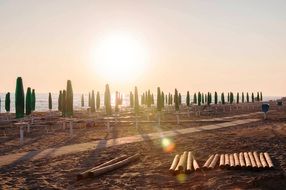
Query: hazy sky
column 192, row 45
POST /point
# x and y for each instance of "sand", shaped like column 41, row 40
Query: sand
column 151, row 170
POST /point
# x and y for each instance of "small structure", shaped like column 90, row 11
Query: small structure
column 265, row 109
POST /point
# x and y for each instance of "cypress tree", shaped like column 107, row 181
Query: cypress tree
column 149, row 102
column 222, row 98
column 180, row 99
column 131, row 100
column 195, row 98
column 171, row 98
column 252, row 97
column 257, row 97
column 188, row 99
column 28, row 101
column 261, row 99
column 136, row 101
column 166, row 99
column 33, row 100
column 203, row 98
column 159, row 101
column 199, row 98
column 231, row 97
column 19, row 98
column 215, row 97
column 206, row 98
column 50, row 101
column 82, row 100
column 92, row 102
column 142, row 99
column 247, row 97
column 237, row 98
column 7, row 102
column 69, row 99
column 228, row 98
column 163, row 100
column 89, row 100
column 242, row 97
column 97, row 100
column 209, row 98
column 117, row 100
column 176, row 100
column 64, row 103
column 60, row 99
column 107, row 101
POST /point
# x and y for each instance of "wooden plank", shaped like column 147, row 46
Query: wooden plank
column 174, row 164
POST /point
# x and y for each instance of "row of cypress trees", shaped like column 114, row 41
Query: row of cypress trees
column 65, row 100
column 201, row 98
column 93, row 102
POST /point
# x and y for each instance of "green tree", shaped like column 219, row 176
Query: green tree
column 107, row 102
column 242, row 97
column 92, row 102
column 82, row 100
column 69, row 99
column 180, row 99
column 159, row 101
column 162, row 100
column 7, row 102
column 188, row 99
column 252, row 97
column 215, row 97
column 261, row 99
column 257, row 97
column 222, row 98
column 149, row 99
column 117, row 101
column 97, row 100
column 199, row 98
column 176, row 100
column 19, row 98
column 28, row 101
column 203, row 98
column 131, row 100
column 195, row 98
column 231, row 97
column 50, row 101
column 209, row 98
column 33, row 100
column 60, row 99
column 237, row 98
column 247, row 97
column 136, row 101
column 64, row 103
column 89, row 100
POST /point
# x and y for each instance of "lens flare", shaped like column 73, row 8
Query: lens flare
column 181, row 178
column 168, row 145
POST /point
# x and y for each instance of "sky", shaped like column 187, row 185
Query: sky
column 215, row 45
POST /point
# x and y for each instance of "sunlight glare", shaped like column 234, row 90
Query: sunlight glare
column 120, row 57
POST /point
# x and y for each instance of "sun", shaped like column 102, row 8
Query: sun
column 120, row 57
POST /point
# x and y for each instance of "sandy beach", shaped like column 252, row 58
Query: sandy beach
column 151, row 170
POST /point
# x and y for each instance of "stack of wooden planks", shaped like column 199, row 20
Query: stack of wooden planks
column 184, row 163
column 242, row 160
column 187, row 163
column 108, row 166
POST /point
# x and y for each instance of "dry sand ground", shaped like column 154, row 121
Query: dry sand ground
column 151, row 171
